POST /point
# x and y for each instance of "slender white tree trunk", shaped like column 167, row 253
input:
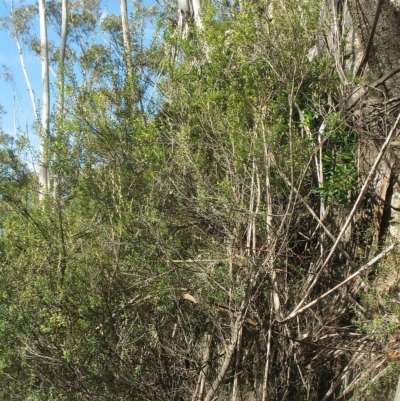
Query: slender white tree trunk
column 188, row 10
column 28, row 82
column 61, row 74
column 45, row 105
column 125, row 32
column 63, row 44
column 22, row 61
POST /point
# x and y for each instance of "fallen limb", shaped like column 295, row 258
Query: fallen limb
column 363, row 90
column 324, row 295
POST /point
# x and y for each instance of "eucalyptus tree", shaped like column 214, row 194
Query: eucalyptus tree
column 45, row 104
column 184, row 244
column 126, row 35
column 188, row 11
column 19, row 26
column 79, row 327
column 61, row 61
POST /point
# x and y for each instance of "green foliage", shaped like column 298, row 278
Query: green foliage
column 164, row 210
column 339, row 161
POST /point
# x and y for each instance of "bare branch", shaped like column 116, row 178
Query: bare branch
column 370, row 39
column 361, row 195
column 363, row 268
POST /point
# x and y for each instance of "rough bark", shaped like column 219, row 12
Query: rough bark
column 376, row 24
column 384, row 49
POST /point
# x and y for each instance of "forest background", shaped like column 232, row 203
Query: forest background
column 211, row 212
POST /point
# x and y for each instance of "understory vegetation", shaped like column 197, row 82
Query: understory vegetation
column 204, row 199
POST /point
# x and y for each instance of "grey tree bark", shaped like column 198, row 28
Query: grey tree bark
column 377, row 25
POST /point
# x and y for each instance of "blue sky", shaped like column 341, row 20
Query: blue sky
column 12, row 81
column 14, row 95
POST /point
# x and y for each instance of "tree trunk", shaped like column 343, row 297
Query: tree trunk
column 63, row 44
column 127, row 41
column 397, row 395
column 45, row 106
column 188, row 10
column 378, row 27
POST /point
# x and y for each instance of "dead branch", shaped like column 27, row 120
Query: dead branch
column 370, row 39
column 228, row 356
column 357, row 203
column 363, row 268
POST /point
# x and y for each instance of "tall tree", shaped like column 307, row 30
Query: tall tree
column 18, row 25
column 126, row 35
column 45, row 105
column 195, row 256
column 188, row 10
column 61, row 59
